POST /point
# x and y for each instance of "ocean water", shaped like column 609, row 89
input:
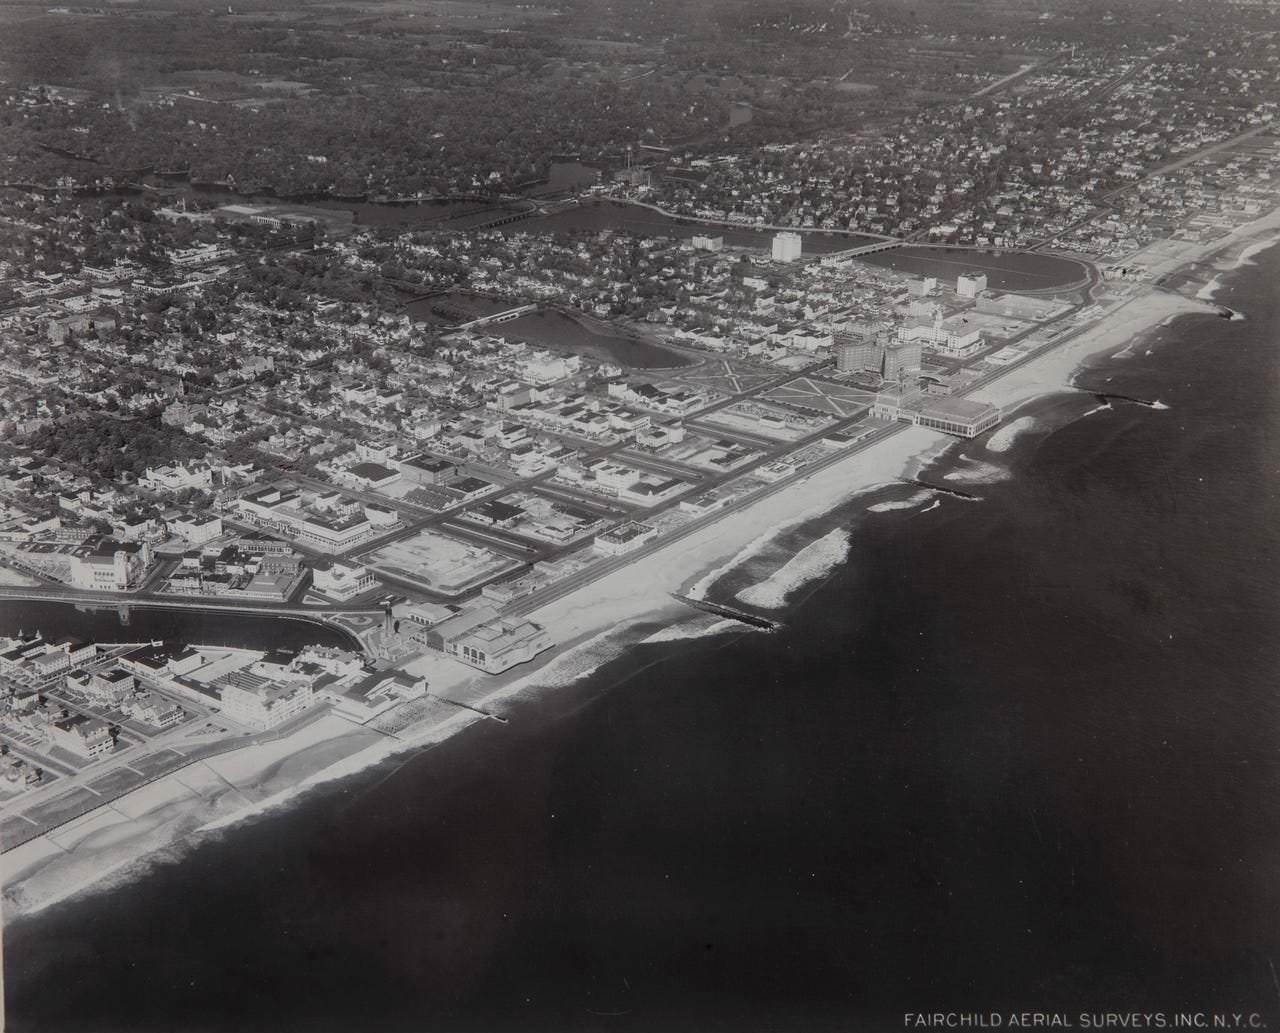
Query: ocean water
column 1014, row 754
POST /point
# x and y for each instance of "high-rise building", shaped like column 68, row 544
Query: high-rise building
column 970, row 285
column 900, row 359
column 856, row 349
column 862, row 349
column 786, row 246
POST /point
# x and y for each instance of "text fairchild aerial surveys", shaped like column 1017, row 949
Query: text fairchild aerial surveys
column 367, row 372
column 1083, row 1020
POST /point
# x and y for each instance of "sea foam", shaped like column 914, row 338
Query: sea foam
column 1002, row 440
column 812, row 562
column 915, row 500
column 978, row 472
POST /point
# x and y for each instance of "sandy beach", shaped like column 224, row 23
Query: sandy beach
column 592, row 624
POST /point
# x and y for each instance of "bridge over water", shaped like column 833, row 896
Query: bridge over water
column 865, row 249
column 498, row 317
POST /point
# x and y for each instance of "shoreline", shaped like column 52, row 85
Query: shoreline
column 595, row 623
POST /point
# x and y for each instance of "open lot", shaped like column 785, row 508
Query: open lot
column 822, row 396
column 724, row 376
column 766, row 421
column 439, row 561
column 993, row 325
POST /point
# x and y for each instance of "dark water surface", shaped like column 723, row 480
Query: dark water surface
column 146, row 625
column 627, row 218
column 1014, row 754
column 1014, row 271
column 1005, row 270
column 548, row 328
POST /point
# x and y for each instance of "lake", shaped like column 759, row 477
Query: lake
column 1006, row 270
column 549, row 328
column 629, row 218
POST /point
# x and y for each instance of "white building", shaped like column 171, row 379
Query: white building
column 176, row 478
column 85, row 736
column 327, row 522
column 342, row 580
column 197, row 528
column 786, row 246
column 970, row 285
column 263, row 702
column 625, row 538
column 959, row 416
column 952, row 337
column 110, row 567
column 482, row 639
column 543, row 367
column 374, row 694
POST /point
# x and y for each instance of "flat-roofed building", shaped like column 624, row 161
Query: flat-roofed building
column 110, row 566
column 111, row 686
column 497, row 513
column 625, row 538
column 48, row 664
column 412, row 620
column 471, row 488
column 426, row 469
column 273, row 585
column 970, row 285
column 15, row 659
column 185, row 661
column 862, row 349
column 341, row 580
column 78, row 652
column 787, row 246
column 263, row 702
column 373, row 475
column 372, row 695
column 959, row 416
column 329, row 524
column 858, row 347
column 482, row 639
column 952, row 337
column 197, row 528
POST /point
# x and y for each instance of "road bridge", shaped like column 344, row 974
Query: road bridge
column 499, row 317
column 865, row 249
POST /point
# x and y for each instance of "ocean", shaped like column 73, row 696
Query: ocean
column 1010, row 754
